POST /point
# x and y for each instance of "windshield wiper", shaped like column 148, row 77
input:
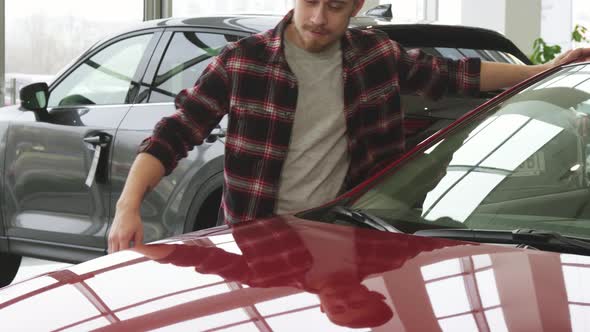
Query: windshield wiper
column 364, row 218
column 545, row 240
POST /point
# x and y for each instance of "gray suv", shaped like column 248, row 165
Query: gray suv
column 64, row 165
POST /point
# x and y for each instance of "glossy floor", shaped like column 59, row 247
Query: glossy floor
column 31, row 267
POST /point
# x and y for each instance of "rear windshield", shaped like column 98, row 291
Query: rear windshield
column 459, row 53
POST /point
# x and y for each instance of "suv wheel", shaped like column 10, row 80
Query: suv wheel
column 204, row 209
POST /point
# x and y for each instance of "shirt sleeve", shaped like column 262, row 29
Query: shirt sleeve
column 434, row 77
column 198, row 110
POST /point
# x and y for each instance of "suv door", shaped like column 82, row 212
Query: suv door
column 50, row 196
column 185, row 53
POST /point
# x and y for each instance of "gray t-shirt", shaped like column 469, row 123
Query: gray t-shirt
column 318, row 159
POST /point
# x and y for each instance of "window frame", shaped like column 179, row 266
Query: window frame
column 155, row 62
column 139, row 73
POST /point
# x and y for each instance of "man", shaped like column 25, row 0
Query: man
column 314, row 108
column 279, row 253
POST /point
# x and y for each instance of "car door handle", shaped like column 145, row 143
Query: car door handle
column 102, row 140
column 98, row 166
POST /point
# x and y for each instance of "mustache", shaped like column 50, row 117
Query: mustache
column 316, row 29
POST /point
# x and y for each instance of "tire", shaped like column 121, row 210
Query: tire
column 10, row 264
column 204, row 209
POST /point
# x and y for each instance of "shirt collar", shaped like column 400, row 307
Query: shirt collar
column 276, row 49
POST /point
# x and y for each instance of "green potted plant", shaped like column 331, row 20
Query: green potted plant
column 542, row 52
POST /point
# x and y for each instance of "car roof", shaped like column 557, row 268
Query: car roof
column 408, row 34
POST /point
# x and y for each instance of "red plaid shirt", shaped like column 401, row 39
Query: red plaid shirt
column 251, row 81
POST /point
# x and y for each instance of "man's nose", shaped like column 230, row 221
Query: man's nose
column 319, row 15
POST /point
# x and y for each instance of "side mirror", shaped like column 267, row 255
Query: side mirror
column 34, row 97
column 381, row 11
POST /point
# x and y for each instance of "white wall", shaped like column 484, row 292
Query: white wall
column 449, row 11
column 520, row 20
column 489, row 14
column 523, row 23
column 212, row 7
column 556, row 22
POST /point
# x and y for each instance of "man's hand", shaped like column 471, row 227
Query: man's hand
column 575, row 55
column 144, row 175
column 155, row 251
column 496, row 75
column 127, row 227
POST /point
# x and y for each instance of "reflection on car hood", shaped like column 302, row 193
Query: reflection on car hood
column 287, row 274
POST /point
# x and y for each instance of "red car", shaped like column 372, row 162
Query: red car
column 484, row 227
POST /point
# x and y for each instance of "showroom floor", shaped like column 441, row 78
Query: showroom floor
column 31, row 267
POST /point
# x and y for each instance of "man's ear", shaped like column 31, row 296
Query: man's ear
column 357, row 7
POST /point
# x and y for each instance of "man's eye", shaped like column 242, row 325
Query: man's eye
column 336, row 5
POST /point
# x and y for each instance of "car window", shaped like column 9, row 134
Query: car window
column 105, row 77
column 459, row 53
column 451, row 53
column 187, row 55
column 424, row 117
column 469, row 52
column 523, row 164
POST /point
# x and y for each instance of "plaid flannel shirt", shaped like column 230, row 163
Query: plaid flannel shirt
column 251, row 81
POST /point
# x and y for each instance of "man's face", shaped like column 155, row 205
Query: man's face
column 352, row 305
column 319, row 23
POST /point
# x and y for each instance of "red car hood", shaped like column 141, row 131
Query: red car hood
column 287, row 274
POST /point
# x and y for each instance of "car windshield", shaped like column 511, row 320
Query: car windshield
column 523, row 163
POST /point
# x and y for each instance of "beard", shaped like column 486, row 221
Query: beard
column 314, row 38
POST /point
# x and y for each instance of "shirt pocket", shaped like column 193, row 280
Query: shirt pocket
column 380, row 95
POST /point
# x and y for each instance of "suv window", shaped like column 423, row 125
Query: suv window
column 187, row 55
column 104, row 78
